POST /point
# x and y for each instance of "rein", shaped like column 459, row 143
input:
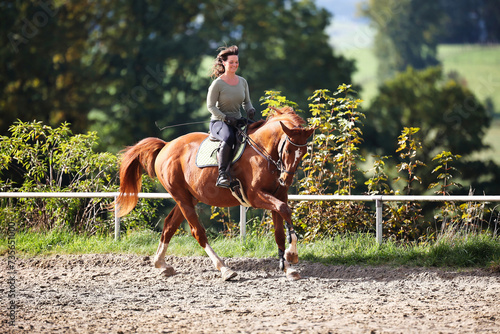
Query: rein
column 263, row 153
column 260, row 150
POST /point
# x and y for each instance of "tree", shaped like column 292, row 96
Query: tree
column 42, row 75
column 471, row 21
column 407, row 32
column 461, row 24
column 449, row 115
column 491, row 14
column 120, row 66
column 149, row 55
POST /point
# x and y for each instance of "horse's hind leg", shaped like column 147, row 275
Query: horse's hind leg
column 198, row 231
column 172, row 223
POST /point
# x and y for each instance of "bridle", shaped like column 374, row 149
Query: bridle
column 280, row 153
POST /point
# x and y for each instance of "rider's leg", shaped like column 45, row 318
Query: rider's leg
column 224, row 159
column 227, row 135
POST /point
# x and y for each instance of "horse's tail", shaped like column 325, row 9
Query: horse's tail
column 134, row 161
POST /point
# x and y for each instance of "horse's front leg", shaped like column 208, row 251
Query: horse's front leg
column 281, row 212
column 289, row 256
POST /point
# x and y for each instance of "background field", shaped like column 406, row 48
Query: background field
column 478, row 66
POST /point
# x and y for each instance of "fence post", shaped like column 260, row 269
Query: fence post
column 378, row 219
column 243, row 222
column 117, row 222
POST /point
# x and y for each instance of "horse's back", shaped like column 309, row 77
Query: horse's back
column 192, row 138
column 185, row 143
column 180, row 151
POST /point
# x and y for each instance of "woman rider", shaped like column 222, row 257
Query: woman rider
column 226, row 95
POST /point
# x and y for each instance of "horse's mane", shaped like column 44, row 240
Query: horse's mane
column 283, row 114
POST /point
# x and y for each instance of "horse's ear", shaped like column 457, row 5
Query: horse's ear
column 293, row 132
column 286, row 129
column 309, row 132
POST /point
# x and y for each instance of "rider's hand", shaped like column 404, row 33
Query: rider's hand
column 232, row 121
column 241, row 122
column 251, row 113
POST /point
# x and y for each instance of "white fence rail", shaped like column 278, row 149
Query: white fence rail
column 113, row 195
column 378, row 199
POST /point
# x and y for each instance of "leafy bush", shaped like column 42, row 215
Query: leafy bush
column 38, row 158
column 404, row 219
column 330, row 166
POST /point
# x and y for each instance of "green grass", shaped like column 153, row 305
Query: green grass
column 473, row 251
column 60, row 242
column 481, row 250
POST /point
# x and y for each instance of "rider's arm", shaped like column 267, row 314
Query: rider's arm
column 247, row 103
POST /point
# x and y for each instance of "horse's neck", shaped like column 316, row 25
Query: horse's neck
column 268, row 137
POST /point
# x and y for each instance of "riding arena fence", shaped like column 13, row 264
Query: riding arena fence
column 378, row 199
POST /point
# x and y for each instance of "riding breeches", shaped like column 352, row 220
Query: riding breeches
column 223, row 132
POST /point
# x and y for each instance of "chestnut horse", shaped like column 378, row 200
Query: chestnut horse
column 265, row 171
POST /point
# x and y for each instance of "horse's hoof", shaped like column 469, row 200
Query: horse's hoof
column 160, row 264
column 293, row 275
column 168, row 271
column 292, row 258
column 228, row 274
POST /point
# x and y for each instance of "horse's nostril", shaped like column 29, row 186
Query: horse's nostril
column 282, row 181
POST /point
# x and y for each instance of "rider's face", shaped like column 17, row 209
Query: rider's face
column 231, row 64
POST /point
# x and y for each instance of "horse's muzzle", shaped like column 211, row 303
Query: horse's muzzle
column 282, row 181
column 285, row 178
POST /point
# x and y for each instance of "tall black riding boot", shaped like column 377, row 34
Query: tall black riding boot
column 224, row 159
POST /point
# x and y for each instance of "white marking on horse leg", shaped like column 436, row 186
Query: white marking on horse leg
column 291, row 254
column 218, row 263
column 293, row 245
column 227, row 273
column 291, row 273
column 159, row 260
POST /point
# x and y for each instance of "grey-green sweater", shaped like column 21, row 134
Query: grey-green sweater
column 224, row 99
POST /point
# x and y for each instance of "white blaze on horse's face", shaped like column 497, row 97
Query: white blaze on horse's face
column 298, row 156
